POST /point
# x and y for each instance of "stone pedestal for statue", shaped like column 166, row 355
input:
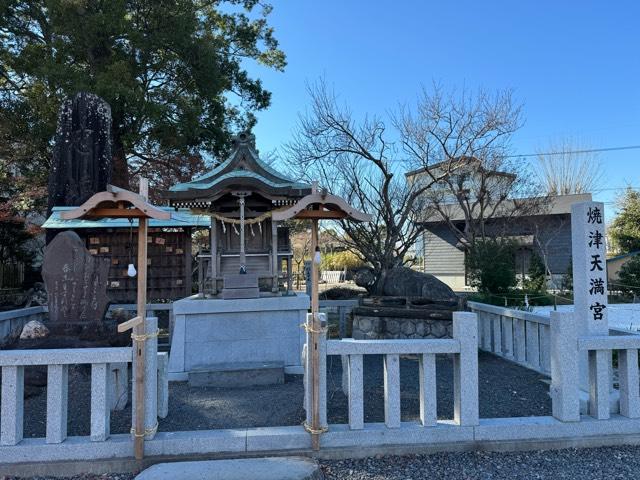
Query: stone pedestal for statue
column 214, row 339
column 76, row 283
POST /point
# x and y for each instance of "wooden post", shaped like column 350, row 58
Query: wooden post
column 188, row 262
column 243, row 258
column 274, row 255
column 139, row 329
column 315, row 357
column 213, row 237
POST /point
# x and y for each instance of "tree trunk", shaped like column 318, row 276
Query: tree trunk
column 120, row 169
column 378, row 287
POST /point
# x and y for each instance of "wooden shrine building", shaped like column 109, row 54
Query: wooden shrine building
column 170, row 264
column 239, row 195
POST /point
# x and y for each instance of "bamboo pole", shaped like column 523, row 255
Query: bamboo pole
column 139, row 329
column 315, row 354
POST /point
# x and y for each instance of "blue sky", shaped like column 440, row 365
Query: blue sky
column 575, row 65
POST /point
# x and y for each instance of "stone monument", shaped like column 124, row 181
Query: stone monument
column 82, row 159
column 76, row 282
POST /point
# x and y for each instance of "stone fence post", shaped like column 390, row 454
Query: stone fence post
column 465, row 369
column 565, row 369
column 151, row 381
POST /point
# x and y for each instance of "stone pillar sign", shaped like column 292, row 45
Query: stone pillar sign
column 589, row 268
column 589, row 276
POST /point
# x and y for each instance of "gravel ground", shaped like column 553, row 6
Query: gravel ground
column 579, row 464
column 506, row 390
column 106, row 476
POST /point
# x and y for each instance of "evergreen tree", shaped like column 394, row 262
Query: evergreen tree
column 172, row 72
column 629, row 277
column 491, row 265
column 625, row 228
column 537, row 280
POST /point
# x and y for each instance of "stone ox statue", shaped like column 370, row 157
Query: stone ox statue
column 405, row 282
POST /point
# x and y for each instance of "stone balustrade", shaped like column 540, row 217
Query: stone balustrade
column 152, row 311
column 599, row 360
column 463, row 347
column 516, row 335
column 13, row 363
column 343, row 309
column 566, row 427
column 12, row 322
column 566, row 347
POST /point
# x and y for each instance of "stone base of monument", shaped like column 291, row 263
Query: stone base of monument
column 280, row 468
column 210, row 334
column 238, row 375
column 402, row 318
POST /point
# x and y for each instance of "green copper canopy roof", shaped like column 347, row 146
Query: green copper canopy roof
column 242, row 170
column 179, row 218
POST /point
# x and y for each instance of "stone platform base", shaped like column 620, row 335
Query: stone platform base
column 373, row 328
column 282, row 468
column 402, row 318
column 209, row 334
column 238, row 375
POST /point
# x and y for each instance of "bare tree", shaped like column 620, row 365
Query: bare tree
column 568, row 166
column 469, row 134
column 365, row 163
column 358, row 161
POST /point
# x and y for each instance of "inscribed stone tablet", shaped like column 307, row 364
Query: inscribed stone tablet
column 76, row 282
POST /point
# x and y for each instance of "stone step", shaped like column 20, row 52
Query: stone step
column 238, row 375
column 275, row 468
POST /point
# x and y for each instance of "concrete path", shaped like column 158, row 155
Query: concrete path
column 276, row 468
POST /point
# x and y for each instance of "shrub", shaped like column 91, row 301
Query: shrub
column 629, row 276
column 537, row 281
column 567, row 279
column 491, row 265
column 340, row 261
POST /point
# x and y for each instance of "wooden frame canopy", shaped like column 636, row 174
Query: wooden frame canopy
column 321, row 205
column 315, row 207
column 119, row 203
column 116, row 203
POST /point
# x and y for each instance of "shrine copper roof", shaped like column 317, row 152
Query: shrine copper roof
column 179, row 218
column 242, row 170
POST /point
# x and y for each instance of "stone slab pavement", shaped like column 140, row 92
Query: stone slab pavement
column 278, row 468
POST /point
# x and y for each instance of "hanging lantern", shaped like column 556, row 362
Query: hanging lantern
column 131, row 270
